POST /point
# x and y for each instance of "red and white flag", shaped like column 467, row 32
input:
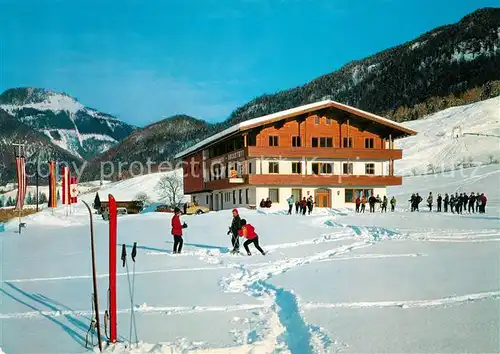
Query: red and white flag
column 21, row 181
column 74, row 190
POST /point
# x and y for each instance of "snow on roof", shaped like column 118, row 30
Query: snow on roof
column 290, row 113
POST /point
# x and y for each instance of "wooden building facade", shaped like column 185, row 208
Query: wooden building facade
column 327, row 150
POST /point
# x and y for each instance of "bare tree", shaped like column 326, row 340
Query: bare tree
column 170, row 189
column 143, row 198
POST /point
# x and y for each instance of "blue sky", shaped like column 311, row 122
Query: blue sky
column 146, row 60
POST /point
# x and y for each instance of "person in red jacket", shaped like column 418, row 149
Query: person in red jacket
column 177, row 227
column 248, row 231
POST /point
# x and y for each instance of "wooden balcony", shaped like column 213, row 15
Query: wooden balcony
column 305, row 180
column 325, row 180
column 226, row 183
column 324, row 153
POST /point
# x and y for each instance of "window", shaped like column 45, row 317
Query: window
column 315, row 168
column 325, row 142
column 297, row 167
column 207, row 199
column 327, row 168
column 274, row 195
column 369, row 143
column 252, row 139
column 241, row 196
column 347, row 142
column 234, row 197
column 249, row 168
column 316, row 120
column 295, row 141
column 246, row 195
column 314, row 142
column 349, row 196
column 273, row 140
column 297, row 194
column 327, row 120
column 274, row 167
column 347, row 168
column 370, row 168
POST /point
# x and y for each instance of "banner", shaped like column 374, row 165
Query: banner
column 52, row 185
column 65, row 186
column 74, row 190
column 21, row 181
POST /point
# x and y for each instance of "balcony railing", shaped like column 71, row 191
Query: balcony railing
column 330, row 153
column 305, row 180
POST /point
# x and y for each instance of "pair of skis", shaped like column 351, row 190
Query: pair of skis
column 131, row 289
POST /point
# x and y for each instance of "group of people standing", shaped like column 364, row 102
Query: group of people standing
column 372, row 201
column 301, row 206
column 456, row 203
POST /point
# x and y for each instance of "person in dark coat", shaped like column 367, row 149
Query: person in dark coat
column 297, row 206
column 466, row 201
column 472, row 202
column 446, row 201
column 412, row 202
column 371, row 201
column 233, row 230
column 452, row 204
column 309, row 204
column 177, row 227
column 439, row 202
column 185, row 207
column 458, row 203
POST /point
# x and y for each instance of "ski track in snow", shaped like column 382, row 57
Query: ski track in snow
column 282, row 326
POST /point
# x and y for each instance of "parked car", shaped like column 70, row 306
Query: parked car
column 194, row 208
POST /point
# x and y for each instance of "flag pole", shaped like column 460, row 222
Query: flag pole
column 20, row 146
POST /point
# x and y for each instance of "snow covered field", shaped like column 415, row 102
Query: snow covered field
column 469, row 134
column 333, row 281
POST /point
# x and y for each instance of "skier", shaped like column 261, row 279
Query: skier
column 384, row 205
column 412, row 200
column 418, row 200
column 248, row 231
column 233, row 229
column 477, row 202
column 429, row 201
column 439, row 202
column 466, row 201
column 303, row 206
column 458, row 203
column 363, row 204
column 393, row 203
column 472, row 202
column 358, row 203
column 446, row 201
column 452, row 203
column 310, row 205
column 177, row 227
column 371, row 201
column 297, row 206
column 482, row 206
column 290, row 204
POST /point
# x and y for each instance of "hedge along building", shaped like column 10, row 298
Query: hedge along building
column 327, row 150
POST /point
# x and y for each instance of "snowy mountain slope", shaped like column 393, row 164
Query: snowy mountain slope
column 446, row 139
column 326, row 279
column 80, row 130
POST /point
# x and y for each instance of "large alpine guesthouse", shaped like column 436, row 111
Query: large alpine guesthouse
column 327, row 150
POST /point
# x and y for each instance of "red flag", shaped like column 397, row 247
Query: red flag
column 21, row 181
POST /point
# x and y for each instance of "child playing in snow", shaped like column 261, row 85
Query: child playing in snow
column 248, row 231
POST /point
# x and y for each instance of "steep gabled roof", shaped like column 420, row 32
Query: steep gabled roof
column 288, row 113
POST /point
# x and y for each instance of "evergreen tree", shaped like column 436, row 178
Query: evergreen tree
column 42, row 198
column 1, row 202
column 97, row 201
column 29, row 199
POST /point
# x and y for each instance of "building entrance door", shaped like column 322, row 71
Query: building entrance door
column 322, row 197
